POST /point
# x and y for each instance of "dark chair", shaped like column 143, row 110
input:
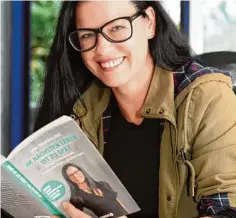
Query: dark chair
column 223, row 60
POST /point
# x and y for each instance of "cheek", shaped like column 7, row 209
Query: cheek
column 88, row 59
column 141, row 35
column 142, row 41
column 137, row 49
column 74, row 180
column 81, row 175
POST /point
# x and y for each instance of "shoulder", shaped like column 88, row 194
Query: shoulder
column 212, row 100
column 207, row 84
column 208, row 103
column 213, row 90
column 194, row 75
column 106, row 188
column 104, row 185
column 210, row 110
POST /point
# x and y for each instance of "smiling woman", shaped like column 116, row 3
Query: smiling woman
column 87, row 193
column 130, row 80
column 121, row 22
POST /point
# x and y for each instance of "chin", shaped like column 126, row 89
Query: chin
column 114, row 83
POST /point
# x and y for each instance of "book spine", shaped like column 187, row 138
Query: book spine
column 21, row 179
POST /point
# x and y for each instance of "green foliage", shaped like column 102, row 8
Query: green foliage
column 43, row 23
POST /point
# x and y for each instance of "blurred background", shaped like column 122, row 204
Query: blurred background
column 27, row 30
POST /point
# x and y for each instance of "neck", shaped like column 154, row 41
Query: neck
column 83, row 186
column 131, row 96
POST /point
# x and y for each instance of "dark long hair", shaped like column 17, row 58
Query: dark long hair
column 67, row 77
column 92, row 184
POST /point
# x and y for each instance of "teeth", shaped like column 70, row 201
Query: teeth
column 112, row 63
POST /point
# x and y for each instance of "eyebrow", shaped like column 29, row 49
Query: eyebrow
column 99, row 26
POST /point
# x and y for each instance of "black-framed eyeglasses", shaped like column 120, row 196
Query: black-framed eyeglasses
column 72, row 174
column 116, row 31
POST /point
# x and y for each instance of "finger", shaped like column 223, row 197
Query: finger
column 54, row 217
column 72, row 211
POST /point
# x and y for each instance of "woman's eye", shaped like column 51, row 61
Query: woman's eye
column 115, row 28
column 86, row 36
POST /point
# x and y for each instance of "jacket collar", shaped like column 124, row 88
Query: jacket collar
column 94, row 102
column 159, row 102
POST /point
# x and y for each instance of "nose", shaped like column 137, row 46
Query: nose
column 103, row 45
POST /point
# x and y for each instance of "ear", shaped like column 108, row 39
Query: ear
column 151, row 22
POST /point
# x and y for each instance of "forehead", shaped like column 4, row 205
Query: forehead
column 71, row 169
column 94, row 14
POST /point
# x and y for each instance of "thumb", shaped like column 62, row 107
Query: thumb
column 72, row 211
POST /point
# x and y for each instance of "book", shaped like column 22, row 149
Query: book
column 59, row 163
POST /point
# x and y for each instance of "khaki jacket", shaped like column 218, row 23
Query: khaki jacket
column 198, row 142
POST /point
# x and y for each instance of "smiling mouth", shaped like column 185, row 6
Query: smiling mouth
column 112, row 64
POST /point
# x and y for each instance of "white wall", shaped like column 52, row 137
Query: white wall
column 173, row 8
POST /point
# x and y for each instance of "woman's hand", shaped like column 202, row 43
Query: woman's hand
column 72, row 211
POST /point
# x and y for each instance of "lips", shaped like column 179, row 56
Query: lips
column 111, row 63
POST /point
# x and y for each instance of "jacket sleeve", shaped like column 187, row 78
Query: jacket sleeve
column 212, row 132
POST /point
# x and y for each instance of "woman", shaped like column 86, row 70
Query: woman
column 95, row 196
column 123, row 66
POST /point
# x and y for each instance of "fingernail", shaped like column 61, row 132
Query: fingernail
column 65, row 205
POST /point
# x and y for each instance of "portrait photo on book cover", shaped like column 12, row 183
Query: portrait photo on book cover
column 87, row 193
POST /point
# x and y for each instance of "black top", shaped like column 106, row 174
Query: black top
column 132, row 151
column 99, row 205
